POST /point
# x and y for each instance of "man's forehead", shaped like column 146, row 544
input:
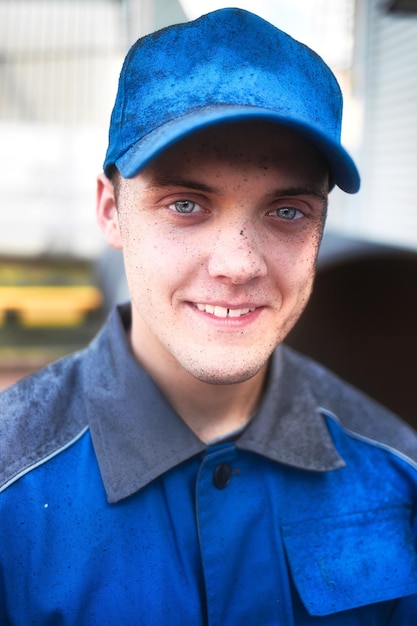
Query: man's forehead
column 236, row 146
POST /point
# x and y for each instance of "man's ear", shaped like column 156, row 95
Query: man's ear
column 106, row 212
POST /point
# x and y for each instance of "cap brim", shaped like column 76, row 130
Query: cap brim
column 343, row 170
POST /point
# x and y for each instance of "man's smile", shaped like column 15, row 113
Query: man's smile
column 221, row 311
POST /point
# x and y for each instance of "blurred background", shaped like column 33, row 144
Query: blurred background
column 59, row 65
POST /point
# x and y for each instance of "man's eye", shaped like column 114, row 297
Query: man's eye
column 185, row 206
column 288, row 213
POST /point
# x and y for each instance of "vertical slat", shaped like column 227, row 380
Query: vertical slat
column 389, row 208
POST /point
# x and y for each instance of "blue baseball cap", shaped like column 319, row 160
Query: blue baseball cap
column 228, row 65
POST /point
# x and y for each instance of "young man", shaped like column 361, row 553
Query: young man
column 187, row 468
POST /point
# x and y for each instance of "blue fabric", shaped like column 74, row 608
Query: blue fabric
column 273, row 546
column 113, row 512
column 227, row 65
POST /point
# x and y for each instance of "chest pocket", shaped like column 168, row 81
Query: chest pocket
column 344, row 562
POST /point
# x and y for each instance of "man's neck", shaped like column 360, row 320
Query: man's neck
column 212, row 411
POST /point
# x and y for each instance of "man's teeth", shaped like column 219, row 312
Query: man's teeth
column 221, row 311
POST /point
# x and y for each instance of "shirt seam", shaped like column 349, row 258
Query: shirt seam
column 43, row 460
column 373, row 442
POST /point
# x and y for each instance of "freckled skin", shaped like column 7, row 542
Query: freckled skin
column 234, row 248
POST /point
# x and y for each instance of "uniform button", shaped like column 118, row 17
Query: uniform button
column 222, row 475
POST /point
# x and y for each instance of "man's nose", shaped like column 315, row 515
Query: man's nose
column 237, row 254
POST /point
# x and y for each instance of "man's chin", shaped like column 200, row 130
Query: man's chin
column 225, row 376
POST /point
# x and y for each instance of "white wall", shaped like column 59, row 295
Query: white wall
column 385, row 71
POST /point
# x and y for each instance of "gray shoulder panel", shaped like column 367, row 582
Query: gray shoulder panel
column 38, row 416
column 355, row 410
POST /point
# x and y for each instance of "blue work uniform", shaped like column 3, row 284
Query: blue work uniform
column 113, row 512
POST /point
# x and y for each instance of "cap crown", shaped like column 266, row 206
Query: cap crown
column 227, row 64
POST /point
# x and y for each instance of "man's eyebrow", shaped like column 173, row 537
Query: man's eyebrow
column 159, row 180
column 313, row 192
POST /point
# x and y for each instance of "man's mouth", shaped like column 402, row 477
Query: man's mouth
column 221, row 311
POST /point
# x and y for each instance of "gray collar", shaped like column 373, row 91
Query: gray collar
column 138, row 436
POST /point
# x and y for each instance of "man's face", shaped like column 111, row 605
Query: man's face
column 220, row 236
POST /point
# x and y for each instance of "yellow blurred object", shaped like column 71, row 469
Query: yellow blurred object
column 37, row 306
